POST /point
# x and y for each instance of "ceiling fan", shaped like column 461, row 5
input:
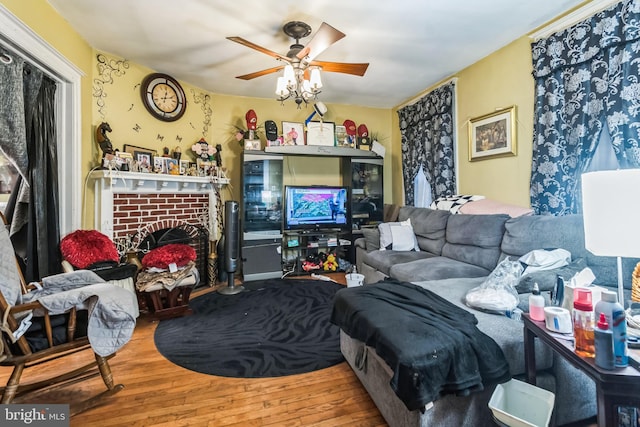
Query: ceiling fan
column 302, row 57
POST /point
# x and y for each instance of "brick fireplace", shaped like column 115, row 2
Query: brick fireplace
column 129, row 206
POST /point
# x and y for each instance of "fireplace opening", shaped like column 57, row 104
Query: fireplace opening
column 195, row 236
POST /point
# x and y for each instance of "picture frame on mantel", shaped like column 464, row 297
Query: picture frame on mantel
column 140, row 154
column 321, row 133
column 493, row 135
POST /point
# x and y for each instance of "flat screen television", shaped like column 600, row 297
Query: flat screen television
column 316, row 207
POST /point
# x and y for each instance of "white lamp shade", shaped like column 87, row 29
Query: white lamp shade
column 611, row 211
column 315, row 80
column 281, row 87
column 289, row 75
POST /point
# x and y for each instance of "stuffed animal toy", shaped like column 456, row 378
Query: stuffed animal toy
column 331, row 264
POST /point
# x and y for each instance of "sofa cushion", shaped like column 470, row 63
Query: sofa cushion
column 475, row 239
column 428, row 225
column 526, row 233
column 435, row 268
column 384, row 260
column 504, row 331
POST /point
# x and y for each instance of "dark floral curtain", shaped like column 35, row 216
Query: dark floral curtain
column 28, row 139
column 587, row 81
column 427, row 128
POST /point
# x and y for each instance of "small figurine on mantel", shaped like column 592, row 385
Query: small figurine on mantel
column 177, row 153
column 105, row 143
column 218, row 155
column 203, row 150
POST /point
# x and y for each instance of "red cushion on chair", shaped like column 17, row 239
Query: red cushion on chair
column 179, row 254
column 85, row 247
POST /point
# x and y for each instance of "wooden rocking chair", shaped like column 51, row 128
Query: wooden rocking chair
column 48, row 338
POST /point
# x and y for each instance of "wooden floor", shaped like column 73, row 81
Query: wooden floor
column 159, row 393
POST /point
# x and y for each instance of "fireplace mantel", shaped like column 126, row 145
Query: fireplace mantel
column 126, row 202
column 139, row 182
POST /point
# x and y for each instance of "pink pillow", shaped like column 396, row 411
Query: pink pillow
column 488, row 206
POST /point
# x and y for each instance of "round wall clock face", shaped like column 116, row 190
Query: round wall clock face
column 163, row 97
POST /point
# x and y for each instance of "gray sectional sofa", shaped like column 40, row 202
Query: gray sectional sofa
column 457, row 252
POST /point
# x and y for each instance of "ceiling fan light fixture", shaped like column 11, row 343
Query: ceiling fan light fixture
column 301, row 78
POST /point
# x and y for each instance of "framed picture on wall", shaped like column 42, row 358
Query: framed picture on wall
column 493, row 135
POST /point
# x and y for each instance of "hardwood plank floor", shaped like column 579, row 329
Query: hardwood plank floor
column 159, row 393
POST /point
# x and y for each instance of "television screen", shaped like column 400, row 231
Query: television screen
column 316, row 207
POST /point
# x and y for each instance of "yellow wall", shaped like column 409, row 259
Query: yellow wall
column 499, row 80
column 215, row 118
column 110, row 92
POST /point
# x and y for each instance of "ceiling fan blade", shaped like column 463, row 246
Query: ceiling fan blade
column 260, row 73
column 342, row 67
column 322, row 39
column 247, row 43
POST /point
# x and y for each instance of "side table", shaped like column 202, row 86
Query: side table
column 617, row 391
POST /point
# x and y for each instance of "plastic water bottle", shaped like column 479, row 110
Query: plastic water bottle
column 603, row 341
column 616, row 318
column 536, row 304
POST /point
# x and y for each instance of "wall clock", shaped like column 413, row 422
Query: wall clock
column 163, row 97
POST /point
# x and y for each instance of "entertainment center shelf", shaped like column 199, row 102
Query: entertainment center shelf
column 265, row 248
column 300, row 246
column 319, row 150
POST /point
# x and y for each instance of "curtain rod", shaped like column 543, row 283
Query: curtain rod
column 427, row 91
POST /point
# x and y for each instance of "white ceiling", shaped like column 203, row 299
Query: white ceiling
column 410, row 44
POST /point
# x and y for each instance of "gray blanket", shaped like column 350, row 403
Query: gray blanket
column 112, row 310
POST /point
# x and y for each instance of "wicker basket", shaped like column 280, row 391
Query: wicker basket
column 635, row 284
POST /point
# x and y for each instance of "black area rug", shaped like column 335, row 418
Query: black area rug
column 275, row 328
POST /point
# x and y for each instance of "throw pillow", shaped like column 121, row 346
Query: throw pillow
column 387, row 239
column 371, row 238
column 179, row 254
column 83, row 248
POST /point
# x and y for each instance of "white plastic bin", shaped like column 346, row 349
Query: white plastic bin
column 519, row 404
column 354, row 279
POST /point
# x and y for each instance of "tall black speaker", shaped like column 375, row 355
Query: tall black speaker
column 231, row 245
